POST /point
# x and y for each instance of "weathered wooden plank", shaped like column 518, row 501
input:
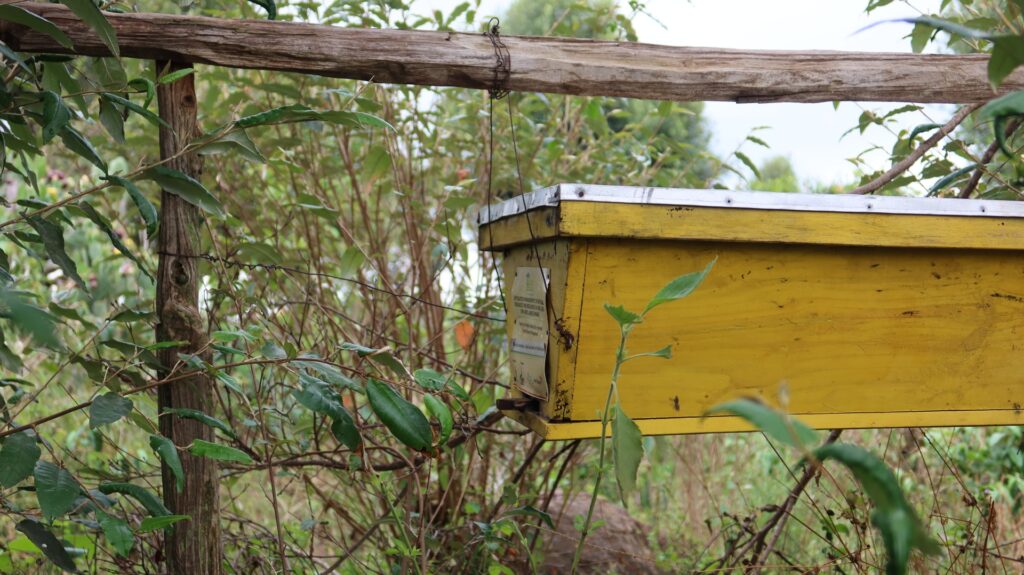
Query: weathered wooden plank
column 554, row 65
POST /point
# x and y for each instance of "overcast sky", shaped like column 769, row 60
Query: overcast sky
column 808, row 134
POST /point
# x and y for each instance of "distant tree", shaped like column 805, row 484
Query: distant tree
column 776, row 175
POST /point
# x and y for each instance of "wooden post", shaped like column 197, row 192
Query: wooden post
column 192, row 547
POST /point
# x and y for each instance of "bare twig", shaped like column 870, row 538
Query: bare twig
column 985, row 159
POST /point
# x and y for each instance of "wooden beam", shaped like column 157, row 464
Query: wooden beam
column 554, row 65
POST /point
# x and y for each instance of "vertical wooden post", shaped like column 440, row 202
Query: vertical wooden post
column 192, row 547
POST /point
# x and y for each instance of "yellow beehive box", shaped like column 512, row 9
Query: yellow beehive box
column 848, row 311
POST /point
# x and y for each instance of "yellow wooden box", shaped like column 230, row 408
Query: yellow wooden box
column 848, row 311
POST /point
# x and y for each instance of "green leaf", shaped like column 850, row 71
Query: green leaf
column 125, row 102
column 91, row 15
column 532, row 512
column 1007, row 55
column 403, row 419
column 18, row 458
column 665, row 352
column 117, row 532
column 145, row 207
column 627, row 449
column 51, row 547
column 19, row 15
column 999, row 110
column 175, row 76
column 302, row 113
column 56, row 489
column 161, row 522
column 53, row 241
column 144, row 85
column 439, row 411
column 108, row 408
column 329, row 373
column 112, row 120
column 776, row 425
column 267, row 5
column 948, row 179
column 218, row 451
column 319, row 397
column 747, row 162
column 429, row 379
column 55, row 115
column 185, row 187
column 78, row 144
column 920, row 36
column 115, row 239
column 235, row 141
column 901, row 529
column 151, row 503
column 165, row 448
column 918, row 130
column 260, row 253
column 623, row 316
column 201, row 417
column 32, row 320
column 679, row 288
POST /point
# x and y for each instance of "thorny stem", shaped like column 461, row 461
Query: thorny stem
column 620, row 358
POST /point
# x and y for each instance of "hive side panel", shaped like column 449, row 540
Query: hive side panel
column 826, row 330
column 780, row 226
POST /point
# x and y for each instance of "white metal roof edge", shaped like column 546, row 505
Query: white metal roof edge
column 847, row 203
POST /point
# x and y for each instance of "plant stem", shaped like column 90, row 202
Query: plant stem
column 620, row 358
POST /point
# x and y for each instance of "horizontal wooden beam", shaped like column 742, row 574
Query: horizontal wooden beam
column 554, row 65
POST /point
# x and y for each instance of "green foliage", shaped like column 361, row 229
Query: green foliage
column 50, row 545
column 777, row 425
column 168, row 452
column 18, row 457
column 218, row 451
column 56, row 489
column 108, row 408
column 403, row 419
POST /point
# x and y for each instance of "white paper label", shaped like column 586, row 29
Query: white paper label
column 529, row 357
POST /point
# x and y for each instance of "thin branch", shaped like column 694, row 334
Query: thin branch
column 905, row 164
column 987, row 157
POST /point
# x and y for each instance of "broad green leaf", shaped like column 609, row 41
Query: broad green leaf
column 403, row 419
column 429, row 379
column 901, row 529
column 271, row 350
column 51, row 547
column 112, row 120
column 319, row 397
column 18, row 458
column 151, row 503
column 117, row 532
column 623, row 316
column 627, row 449
column 18, row 15
column 382, row 356
column 1007, row 55
column 679, row 288
column 161, row 522
column 165, row 448
column 78, row 144
column 329, row 373
column 91, row 15
column 776, row 425
column 201, row 417
column 32, row 320
column 55, row 115
column 53, row 241
column 235, row 141
column 108, row 408
column 115, row 239
column 185, row 187
column 145, row 207
column 439, row 411
column 218, row 451
column 56, row 489
column 260, row 253
column 131, row 315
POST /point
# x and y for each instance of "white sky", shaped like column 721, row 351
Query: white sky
column 808, row 134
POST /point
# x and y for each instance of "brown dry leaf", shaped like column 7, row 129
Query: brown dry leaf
column 465, row 333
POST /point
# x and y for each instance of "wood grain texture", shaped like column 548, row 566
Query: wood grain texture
column 193, row 546
column 554, row 65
